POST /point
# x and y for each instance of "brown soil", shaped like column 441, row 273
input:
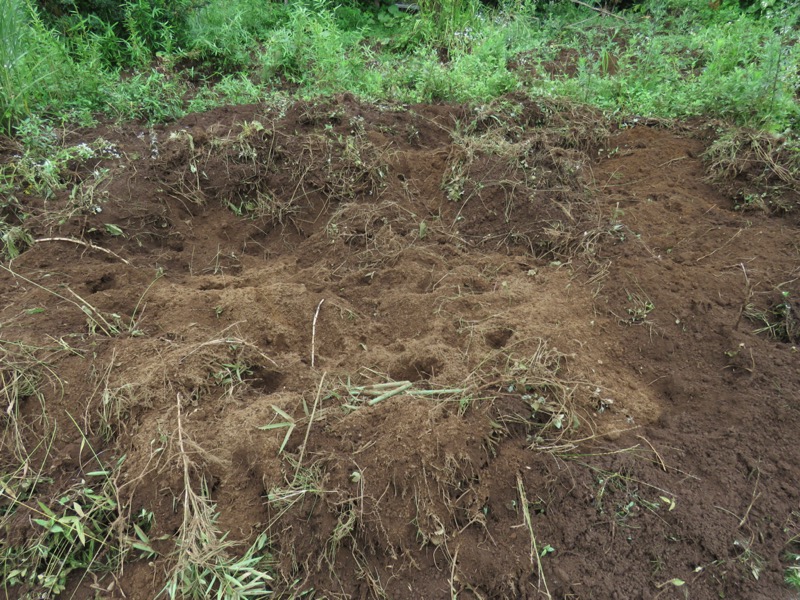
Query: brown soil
column 592, row 293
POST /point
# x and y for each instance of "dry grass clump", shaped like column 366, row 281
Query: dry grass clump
column 231, row 167
column 353, row 165
column 521, row 190
column 519, row 172
column 759, row 156
column 780, row 320
column 378, row 232
column 768, row 165
column 23, row 376
column 532, row 396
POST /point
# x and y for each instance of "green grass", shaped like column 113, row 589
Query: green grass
column 738, row 68
column 792, row 573
column 667, row 60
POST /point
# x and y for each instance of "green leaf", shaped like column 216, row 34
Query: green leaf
column 98, row 474
column 113, row 230
column 81, row 534
column 145, row 549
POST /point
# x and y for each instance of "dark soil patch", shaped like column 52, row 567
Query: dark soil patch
column 596, row 316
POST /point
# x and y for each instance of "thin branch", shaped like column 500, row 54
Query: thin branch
column 89, row 245
column 602, row 11
column 535, row 556
column 660, row 460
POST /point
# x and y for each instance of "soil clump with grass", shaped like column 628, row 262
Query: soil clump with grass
column 378, row 351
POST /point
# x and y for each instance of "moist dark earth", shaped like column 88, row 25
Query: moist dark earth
column 595, row 342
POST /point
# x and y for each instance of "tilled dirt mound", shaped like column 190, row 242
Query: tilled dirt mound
column 409, row 352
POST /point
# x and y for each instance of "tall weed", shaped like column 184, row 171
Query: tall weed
column 40, row 74
column 225, row 35
column 444, row 21
column 313, row 51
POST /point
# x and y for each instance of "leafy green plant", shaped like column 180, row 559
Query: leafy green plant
column 82, row 526
column 448, row 22
column 157, row 25
column 41, row 72
column 14, row 240
column 231, row 89
column 26, row 57
column 152, row 95
column 780, row 321
column 232, row 374
column 792, row 573
column 685, row 62
column 312, row 48
column 213, row 573
column 220, row 37
column 83, row 529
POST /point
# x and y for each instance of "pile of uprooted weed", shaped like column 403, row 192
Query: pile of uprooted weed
column 380, row 474
column 514, row 176
column 107, row 448
column 519, row 182
column 760, row 171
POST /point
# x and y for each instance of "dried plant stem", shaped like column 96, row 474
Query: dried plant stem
column 308, row 429
column 753, row 499
column 748, row 294
column 526, row 513
column 453, row 592
column 314, row 331
column 658, row 456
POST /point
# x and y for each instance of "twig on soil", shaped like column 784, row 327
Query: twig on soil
column 660, row 460
column 86, row 310
column 184, row 458
column 89, row 245
column 733, row 237
column 726, row 511
column 398, row 390
column 308, row 429
column 673, row 160
column 753, row 498
column 85, row 307
column 747, row 295
column 526, row 513
column 602, row 11
column 314, row 331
